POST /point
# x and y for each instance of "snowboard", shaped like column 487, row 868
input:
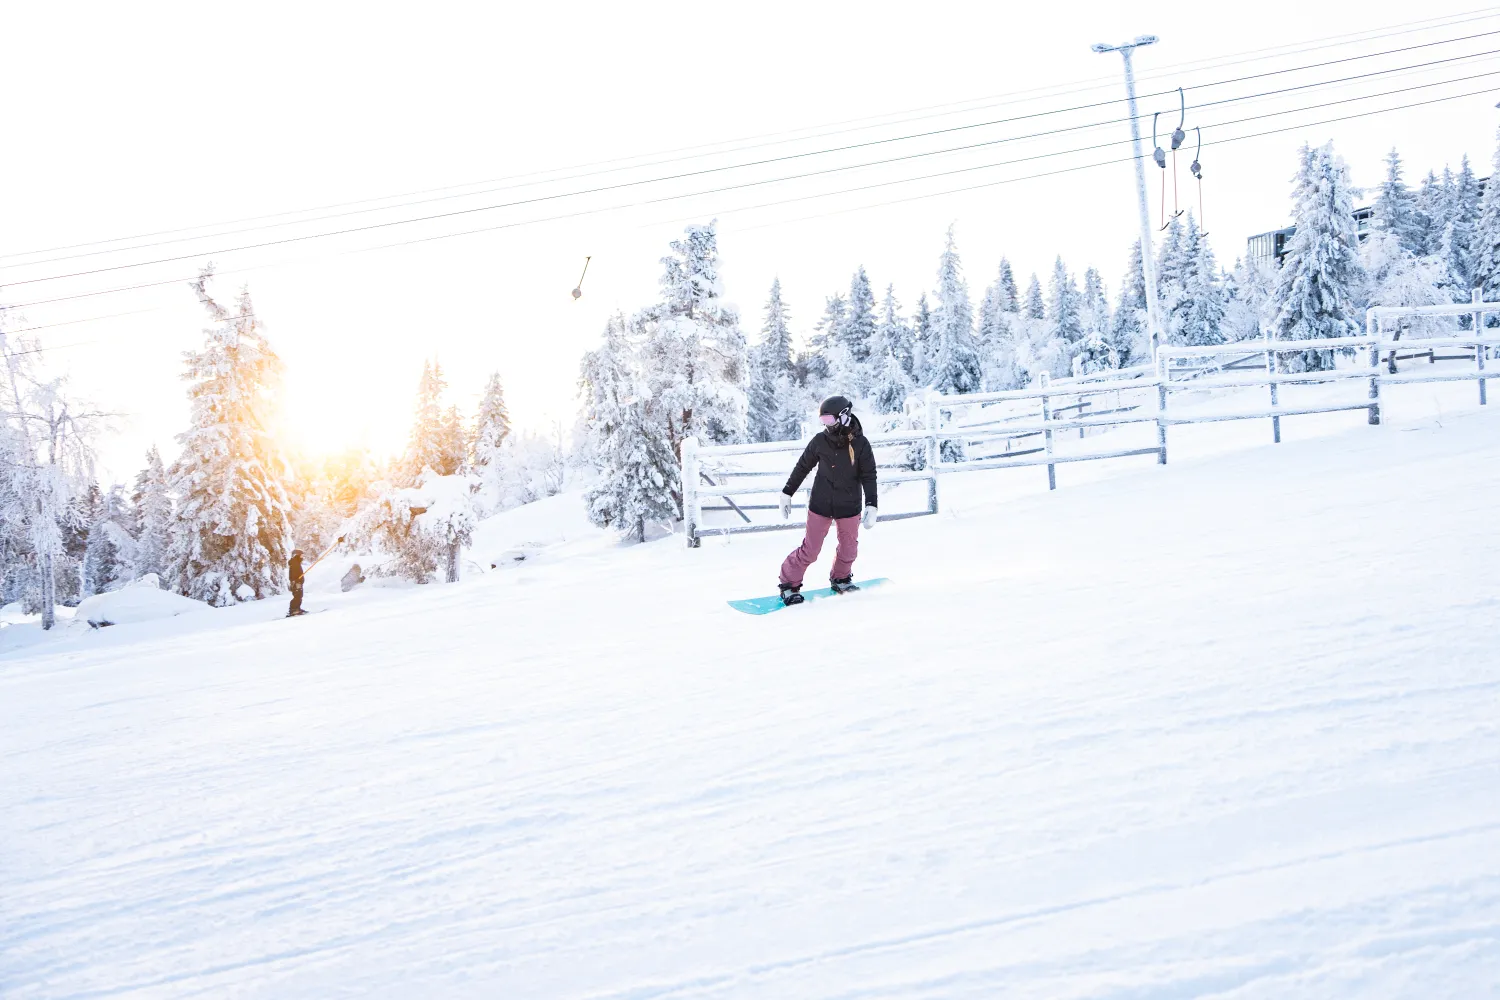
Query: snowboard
column 765, row 605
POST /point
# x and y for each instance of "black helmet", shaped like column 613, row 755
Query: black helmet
column 839, row 408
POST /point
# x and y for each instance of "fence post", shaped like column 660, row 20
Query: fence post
column 1271, row 379
column 1161, row 409
column 691, row 515
column 934, row 453
column 1477, row 298
column 1372, row 327
column 1044, row 379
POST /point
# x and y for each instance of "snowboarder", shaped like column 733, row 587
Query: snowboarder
column 846, row 464
column 294, row 574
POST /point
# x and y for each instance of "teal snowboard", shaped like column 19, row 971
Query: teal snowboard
column 765, row 605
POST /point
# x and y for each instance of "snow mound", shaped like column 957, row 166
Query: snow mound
column 135, row 604
column 519, row 534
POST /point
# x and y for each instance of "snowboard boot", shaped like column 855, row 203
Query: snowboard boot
column 842, row 586
column 791, row 594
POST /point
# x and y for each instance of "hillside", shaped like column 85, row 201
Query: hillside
column 1223, row 728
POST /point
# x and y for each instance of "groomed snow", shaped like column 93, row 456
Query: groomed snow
column 1227, row 728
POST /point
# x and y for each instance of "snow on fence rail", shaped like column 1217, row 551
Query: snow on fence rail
column 951, row 425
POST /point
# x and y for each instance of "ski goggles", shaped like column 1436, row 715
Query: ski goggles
column 828, row 419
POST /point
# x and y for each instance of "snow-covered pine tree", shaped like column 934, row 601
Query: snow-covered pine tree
column 1035, row 306
column 110, row 553
column 1485, row 249
column 893, row 335
column 696, row 358
column 1009, row 294
column 774, row 413
column 997, row 333
column 1432, row 206
column 858, row 332
column 1398, row 277
column 427, row 447
column 231, row 537
column 1456, row 243
column 1172, row 266
column 1094, row 354
column 491, row 426
column 455, row 453
column 922, row 341
column 1064, row 311
column 1198, row 315
column 818, row 363
column 1396, row 207
column 1128, row 336
column 1247, row 300
column 1320, row 282
column 151, row 505
column 891, row 386
column 956, row 365
column 640, row 480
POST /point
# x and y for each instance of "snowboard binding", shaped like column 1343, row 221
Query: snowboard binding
column 842, row 586
column 791, row 594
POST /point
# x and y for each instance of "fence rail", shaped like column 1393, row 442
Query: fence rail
column 1195, row 369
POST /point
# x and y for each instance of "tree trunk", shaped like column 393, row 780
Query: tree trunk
column 452, row 568
column 640, row 530
column 49, row 592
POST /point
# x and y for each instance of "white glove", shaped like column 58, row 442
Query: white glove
column 785, row 503
column 868, row 518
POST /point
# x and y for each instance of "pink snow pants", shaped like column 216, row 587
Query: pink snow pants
column 795, row 567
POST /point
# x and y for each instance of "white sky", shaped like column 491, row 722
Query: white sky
column 119, row 123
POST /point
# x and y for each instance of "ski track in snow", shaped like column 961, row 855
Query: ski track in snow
column 1229, row 728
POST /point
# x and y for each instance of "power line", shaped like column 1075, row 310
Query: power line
column 882, row 184
column 678, row 176
column 631, row 184
column 1090, row 166
column 878, row 142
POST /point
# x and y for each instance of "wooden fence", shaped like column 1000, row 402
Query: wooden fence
column 944, row 429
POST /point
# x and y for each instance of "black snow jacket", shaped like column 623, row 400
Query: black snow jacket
column 294, row 571
column 845, row 463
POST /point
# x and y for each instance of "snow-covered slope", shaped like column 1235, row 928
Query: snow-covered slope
column 1226, row 728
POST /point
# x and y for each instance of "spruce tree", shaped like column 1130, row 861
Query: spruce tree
column 696, row 358
column 1398, row 277
column 454, row 457
column 429, row 444
column 922, row 341
column 772, row 397
column 110, row 553
column 1318, row 286
column 893, row 335
column 491, row 424
column 1010, row 297
column 1485, row 249
column 858, row 331
column 1036, row 305
column 1064, row 309
column 231, row 537
column 640, row 481
column 152, row 507
column 1128, row 335
column 1396, row 207
column 997, row 333
column 1456, row 245
column 956, row 367
column 1172, row 266
column 1198, row 314
column 1094, row 353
